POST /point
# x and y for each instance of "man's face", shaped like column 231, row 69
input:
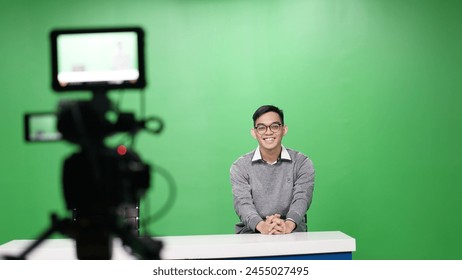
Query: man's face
column 269, row 137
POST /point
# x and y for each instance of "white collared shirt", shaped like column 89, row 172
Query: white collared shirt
column 284, row 155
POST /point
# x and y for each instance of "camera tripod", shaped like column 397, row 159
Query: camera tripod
column 94, row 236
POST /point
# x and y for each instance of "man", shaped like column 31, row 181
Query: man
column 272, row 186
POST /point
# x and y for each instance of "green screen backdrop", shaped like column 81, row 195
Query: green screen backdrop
column 371, row 91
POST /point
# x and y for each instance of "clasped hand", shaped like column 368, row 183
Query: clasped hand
column 275, row 225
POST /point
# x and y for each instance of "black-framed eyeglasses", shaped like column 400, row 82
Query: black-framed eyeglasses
column 274, row 127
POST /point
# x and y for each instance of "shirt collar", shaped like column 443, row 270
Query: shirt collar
column 284, row 154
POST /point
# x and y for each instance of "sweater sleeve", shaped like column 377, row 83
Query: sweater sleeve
column 302, row 191
column 242, row 194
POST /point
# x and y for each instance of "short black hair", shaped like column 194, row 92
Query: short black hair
column 265, row 109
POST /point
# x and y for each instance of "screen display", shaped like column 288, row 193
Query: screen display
column 103, row 58
column 41, row 127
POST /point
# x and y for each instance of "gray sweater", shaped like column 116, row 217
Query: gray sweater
column 261, row 189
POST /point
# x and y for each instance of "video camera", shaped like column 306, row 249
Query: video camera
column 97, row 180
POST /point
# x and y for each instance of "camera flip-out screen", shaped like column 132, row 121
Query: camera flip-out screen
column 97, row 59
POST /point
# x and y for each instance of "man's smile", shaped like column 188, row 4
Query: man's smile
column 269, row 139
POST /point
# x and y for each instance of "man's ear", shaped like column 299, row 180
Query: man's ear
column 252, row 132
column 284, row 130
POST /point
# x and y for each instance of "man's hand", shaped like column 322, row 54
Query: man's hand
column 264, row 227
column 279, row 224
column 290, row 226
column 275, row 225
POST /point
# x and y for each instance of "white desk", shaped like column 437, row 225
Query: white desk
column 303, row 245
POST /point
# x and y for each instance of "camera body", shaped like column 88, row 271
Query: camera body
column 99, row 177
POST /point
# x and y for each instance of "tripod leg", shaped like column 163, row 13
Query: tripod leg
column 57, row 225
column 144, row 248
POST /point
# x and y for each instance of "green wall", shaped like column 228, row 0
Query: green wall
column 371, row 91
